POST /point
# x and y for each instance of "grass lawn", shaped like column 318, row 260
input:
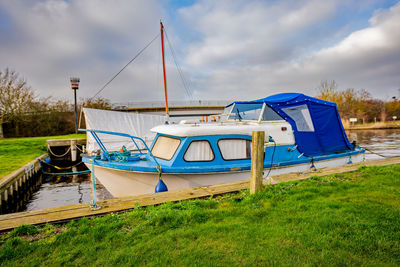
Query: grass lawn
column 15, row 152
column 350, row 219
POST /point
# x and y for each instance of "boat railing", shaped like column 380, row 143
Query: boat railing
column 94, row 132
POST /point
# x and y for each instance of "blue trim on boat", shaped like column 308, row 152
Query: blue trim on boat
column 285, row 155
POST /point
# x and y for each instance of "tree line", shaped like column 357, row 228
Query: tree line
column 23, row 114
column 359, row 104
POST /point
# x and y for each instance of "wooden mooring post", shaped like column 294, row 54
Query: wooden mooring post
column 257, row 161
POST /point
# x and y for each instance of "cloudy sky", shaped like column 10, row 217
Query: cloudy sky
column 232, row 50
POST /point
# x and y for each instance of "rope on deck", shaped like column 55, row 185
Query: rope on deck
column 67, row 173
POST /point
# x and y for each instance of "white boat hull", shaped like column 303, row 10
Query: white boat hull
column 130, row 183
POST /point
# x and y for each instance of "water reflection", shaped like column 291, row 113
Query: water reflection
column 58, row 191
column 383, row 142
column 59, row 194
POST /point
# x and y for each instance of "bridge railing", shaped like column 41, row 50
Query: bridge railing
column 172, row 103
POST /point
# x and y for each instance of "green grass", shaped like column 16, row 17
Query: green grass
column 15, row 152
column 350, row 219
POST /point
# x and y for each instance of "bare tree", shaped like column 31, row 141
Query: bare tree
column 328, row 91
column 99, row 103
column 15, row 97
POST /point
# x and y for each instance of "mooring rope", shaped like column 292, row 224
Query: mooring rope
column 381, row 155
column 61, row 168
column 55, row 155
column 81, row 150
column 94, row 205
column 272, row 157
column 67, row 173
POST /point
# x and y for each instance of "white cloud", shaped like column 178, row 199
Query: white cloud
column 368, row 58
column 230, row 49
column 251, row 32
column 259, row 49
column 54, row 39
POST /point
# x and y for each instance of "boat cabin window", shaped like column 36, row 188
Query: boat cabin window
column 232, row 149
column 165, row 147
column 301, row 116
column 199, row 151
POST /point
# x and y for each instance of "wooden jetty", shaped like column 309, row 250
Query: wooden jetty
column 16, row 187
column 71, row 212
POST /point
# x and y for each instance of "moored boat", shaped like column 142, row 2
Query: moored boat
column 301, row 132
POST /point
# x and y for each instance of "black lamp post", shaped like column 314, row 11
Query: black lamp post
column 75, row 86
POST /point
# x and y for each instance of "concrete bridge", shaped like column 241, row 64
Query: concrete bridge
column 176, row 108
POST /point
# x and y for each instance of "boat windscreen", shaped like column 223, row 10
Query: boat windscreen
column 246, row 111
column 228, row 109
column 270, row 115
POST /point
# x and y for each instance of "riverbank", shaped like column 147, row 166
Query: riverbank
column 371, row 126
column 16, row 152
column 344, row 219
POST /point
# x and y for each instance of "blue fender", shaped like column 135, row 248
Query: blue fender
column 161, row 187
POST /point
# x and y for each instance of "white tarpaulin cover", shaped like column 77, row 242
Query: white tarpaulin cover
column 123, row 122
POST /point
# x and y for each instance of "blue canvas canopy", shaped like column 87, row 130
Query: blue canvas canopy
column 316, row 123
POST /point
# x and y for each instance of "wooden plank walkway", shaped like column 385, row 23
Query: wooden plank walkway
column 70, row 212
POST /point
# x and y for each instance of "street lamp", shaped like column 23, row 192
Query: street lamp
column 75, row 86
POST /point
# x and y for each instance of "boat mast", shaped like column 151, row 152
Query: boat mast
column 163, row 63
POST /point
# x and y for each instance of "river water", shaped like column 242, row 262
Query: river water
column 383, row 142
column 60, row 191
